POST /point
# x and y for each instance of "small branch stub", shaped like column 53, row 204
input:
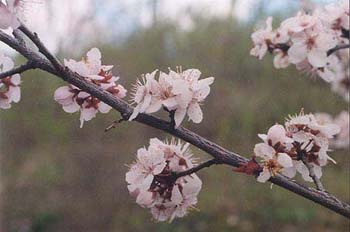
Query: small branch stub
column 196, row 168
column 18, row 70
column 114, row 124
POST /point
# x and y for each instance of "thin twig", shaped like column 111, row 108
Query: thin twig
column 17, row 70
column 113, row 125
column 205, row 164
column 312, row 174
column 172, row 118
column 17, row 35
column 221, row 154
column 42, row 49
column 339, row 47
column 345, row 33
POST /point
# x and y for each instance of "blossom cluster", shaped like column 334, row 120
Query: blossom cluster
column 181, row 92
column 8, row 14
column 10, row 90
column 342, row 139
column 151, row 180
column 73, row 99
column 306, row 40
column 286, row 149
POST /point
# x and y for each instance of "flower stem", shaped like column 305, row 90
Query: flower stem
column 20, row 69
column 339, row 47
column 312, row 174
column 205, row 164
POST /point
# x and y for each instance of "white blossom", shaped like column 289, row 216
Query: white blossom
column 337, row 15
column 180, row 92
column 306, row 40
column 73, row 99
column 150, row 180
column 305, row 138
column 261, row 38
column 8, row 14
column 272, row 152
column 9, row 86
column 340, row 140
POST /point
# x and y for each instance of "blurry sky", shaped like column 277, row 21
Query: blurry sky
column 65, row 23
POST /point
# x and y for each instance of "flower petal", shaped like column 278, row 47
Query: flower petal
column 284, row 160
column 317, row 58
column 179, row 116
column 195, row 113
column 103, row 107
column 71, row 108
column 264, row 151
column 297, row 53
column 264, row 176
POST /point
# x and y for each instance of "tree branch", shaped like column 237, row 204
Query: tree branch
column 339, row 47
column 312, row 174
column 17, row 70
column 205, row 164
column 42, row 49
column 220, row 154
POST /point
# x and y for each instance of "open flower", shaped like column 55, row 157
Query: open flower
column 73, row 99
column 261, row 39
column 276, row 134
column 308, row 123
column 8, row 14
column 306, row 41
column 299, row 23
column 304, row 138
column 340, row 140
column 151, row 180
column 190, row 92
column 180, row 92
column 311, row 142
column 281, row 60
column 337, row 15
column 9, row 86
column 312, row 45
column 146, row 95
column 274, row 153
column 273, row 161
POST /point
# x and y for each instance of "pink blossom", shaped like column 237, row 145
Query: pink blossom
column 273, row 161
column 299, row 23
column 306, row 40
column 73, row 99
column 311, row 45
column 150, row 180
column 304, row 138
column 340, row 140
column 261, row 38
column 312, row 138
column 9, row 86
column 181, row 92
column 337, row 15
column 276, row 134
column 146, row 95
column 281, row 60
column 8, row 14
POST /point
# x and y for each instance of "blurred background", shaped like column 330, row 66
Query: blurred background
column 58, row 177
